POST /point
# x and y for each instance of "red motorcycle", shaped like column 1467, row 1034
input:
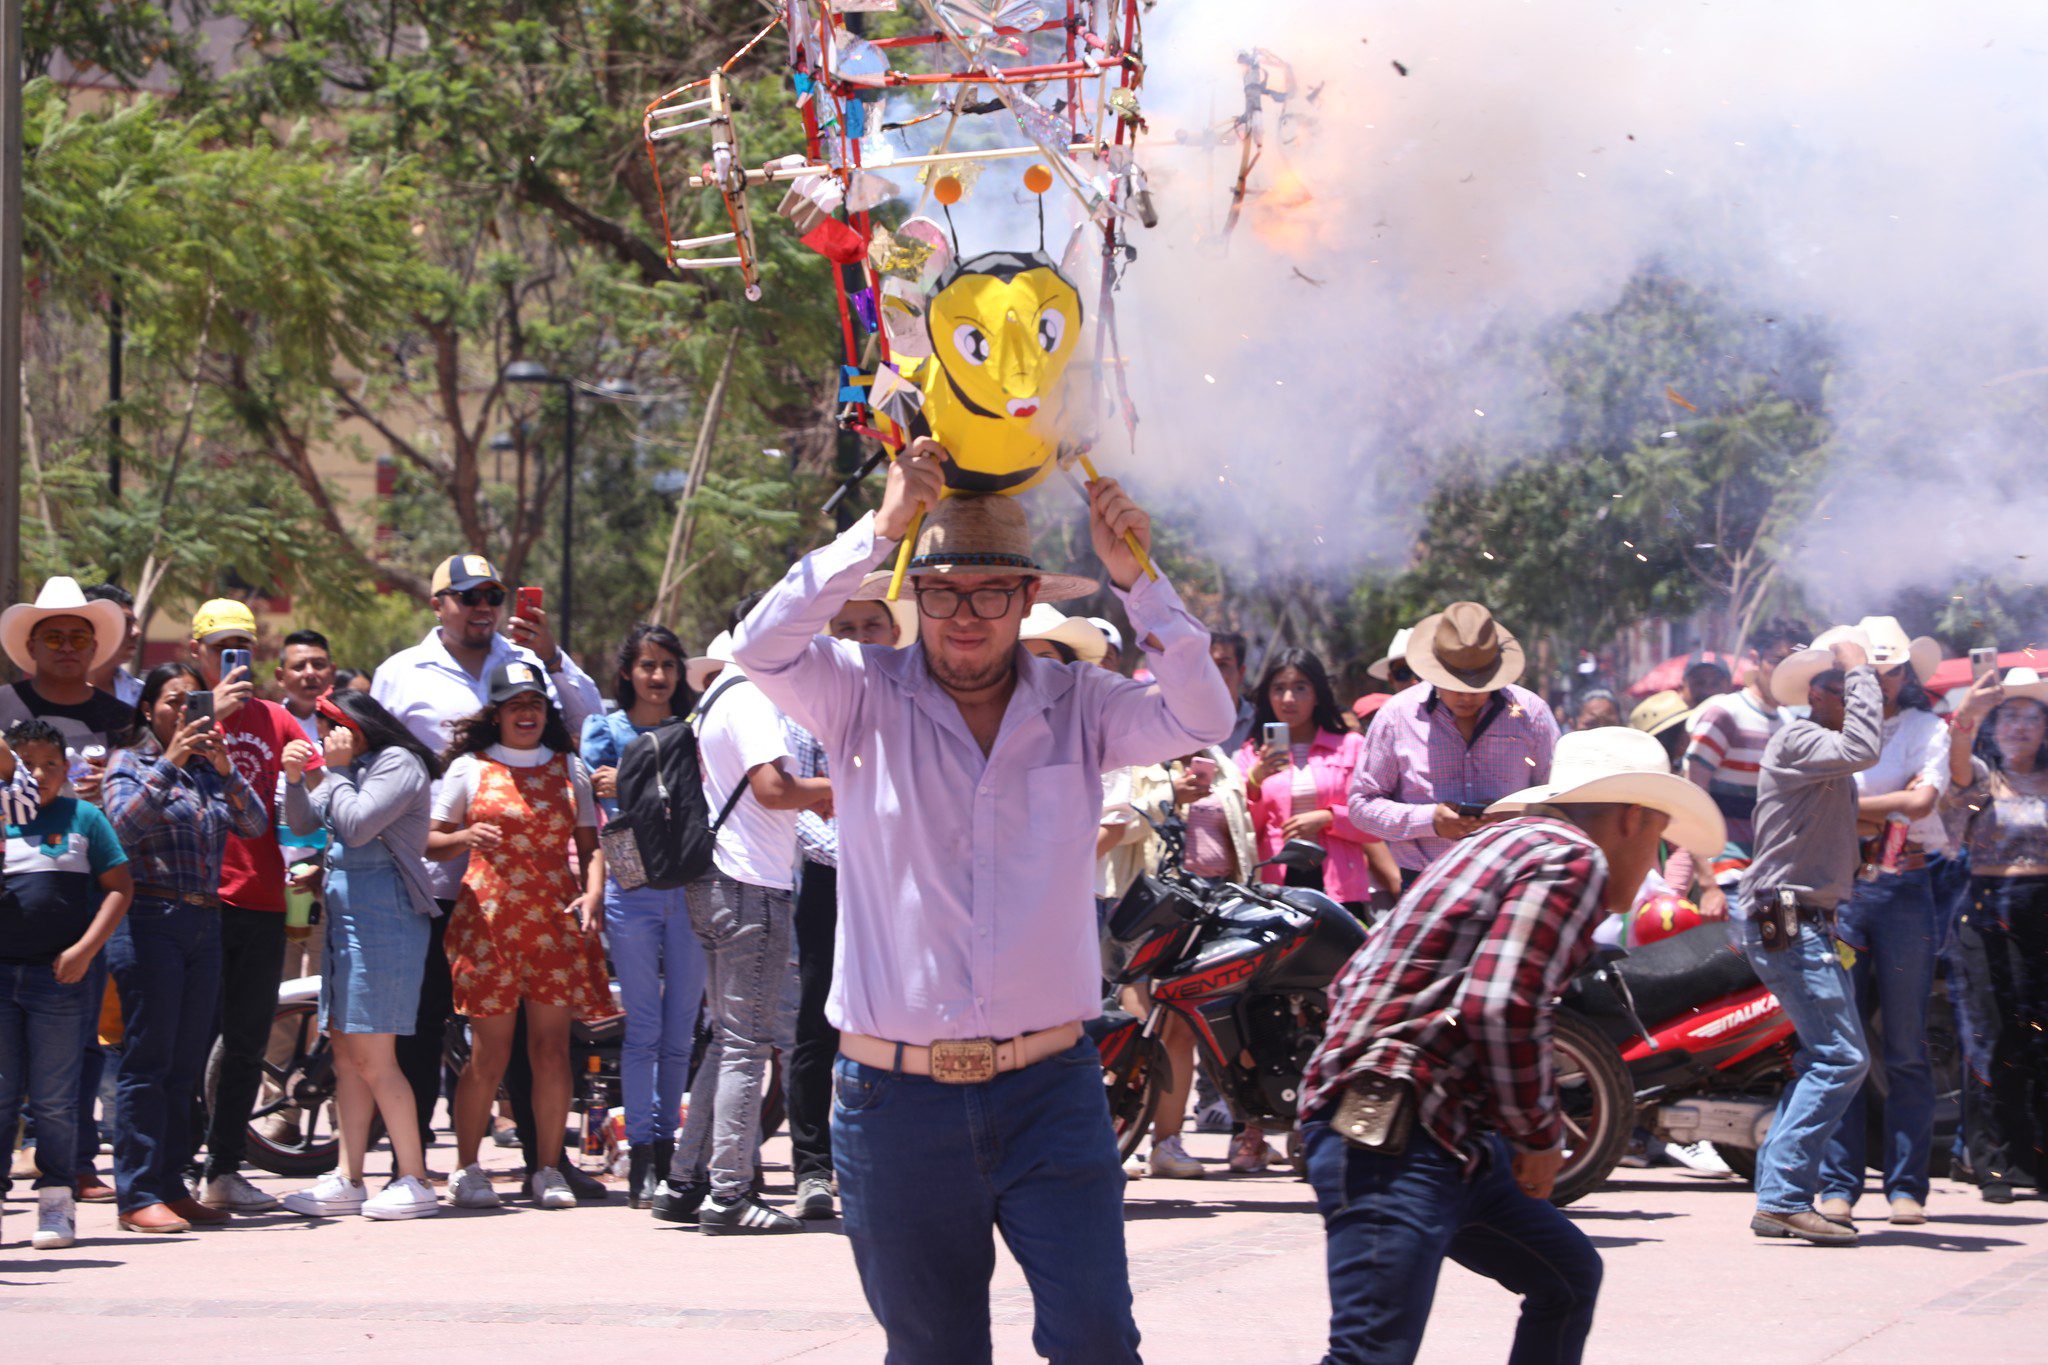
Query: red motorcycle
column 1247, row 969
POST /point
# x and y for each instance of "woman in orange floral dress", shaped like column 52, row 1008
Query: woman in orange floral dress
column 524, row 931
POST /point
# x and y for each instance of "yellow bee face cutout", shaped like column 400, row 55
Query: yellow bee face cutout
column 1002, row 327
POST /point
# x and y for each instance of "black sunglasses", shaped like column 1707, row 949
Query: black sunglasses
column 470, row 597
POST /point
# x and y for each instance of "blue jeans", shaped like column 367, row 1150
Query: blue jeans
column 929, row 1173
column 1814, row 992
column 1893, row 925
column 165, row 959
column 661, row 977
column 92, row 1064
column 1390, row 1221
column 745, row 931
column 39, row 1059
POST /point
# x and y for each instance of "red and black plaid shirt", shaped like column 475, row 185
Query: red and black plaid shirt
column 1456, row 992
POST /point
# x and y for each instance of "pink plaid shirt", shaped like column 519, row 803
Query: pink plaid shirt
column 1415, row 758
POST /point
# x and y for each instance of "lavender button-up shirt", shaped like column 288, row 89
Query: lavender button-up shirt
column 1415, row 758
column 966, row 907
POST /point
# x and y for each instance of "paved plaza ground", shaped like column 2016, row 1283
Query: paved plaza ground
column 1228, row 1269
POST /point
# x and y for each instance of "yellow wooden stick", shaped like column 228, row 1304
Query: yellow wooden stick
column 1144, row 560
column 903, row 552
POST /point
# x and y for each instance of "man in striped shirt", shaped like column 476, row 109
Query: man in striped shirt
column 1446, row 1015
column 1726, row 751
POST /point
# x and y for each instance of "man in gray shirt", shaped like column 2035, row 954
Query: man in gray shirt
column 1804, row 866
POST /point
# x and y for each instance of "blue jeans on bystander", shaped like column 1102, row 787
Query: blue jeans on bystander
column 39, row 1059
column 1894, row 925
column 930, row 1172
column 1813, row 990
column 661, row 982
column 165, row 959
column 1391, row 1221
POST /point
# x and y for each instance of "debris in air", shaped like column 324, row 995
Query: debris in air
column 1400, row 68
column 1675, row 396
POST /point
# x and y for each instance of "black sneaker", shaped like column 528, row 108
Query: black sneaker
column 676, row 1202
column 744, row 1215
column 814, row 1198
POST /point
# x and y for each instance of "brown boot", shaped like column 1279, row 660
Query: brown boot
column 154, row 1218
column 90, row 1189
column 1805, row 1223
column 197, row 1214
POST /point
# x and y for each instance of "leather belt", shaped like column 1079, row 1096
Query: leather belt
column 960, row 1061
column 2009, row 869
column 165, row 893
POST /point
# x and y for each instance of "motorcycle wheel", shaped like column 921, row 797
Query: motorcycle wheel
column 292, row 1128
column 1599, row 1103
column 1134, row 1083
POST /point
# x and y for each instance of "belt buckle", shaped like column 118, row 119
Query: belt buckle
column 964, row 1061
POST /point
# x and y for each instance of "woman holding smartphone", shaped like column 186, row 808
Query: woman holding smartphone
column 524, row 932
column 373, row 799
column 173, row 798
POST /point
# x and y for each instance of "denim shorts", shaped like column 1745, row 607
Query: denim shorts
column 376, row 951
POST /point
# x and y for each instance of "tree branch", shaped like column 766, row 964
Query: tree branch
column 627, row 247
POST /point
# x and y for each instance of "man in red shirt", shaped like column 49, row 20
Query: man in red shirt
column 251, row 903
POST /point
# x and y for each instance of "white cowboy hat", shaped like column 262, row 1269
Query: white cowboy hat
column 62, row 597
column 698, row 671
column 1047, row 622
column 1889, row 647
column 1110, row 634
column 1616, row 763
column 2020, row 682
column 1795, row 672
column 1383, row 667
column 875, row 588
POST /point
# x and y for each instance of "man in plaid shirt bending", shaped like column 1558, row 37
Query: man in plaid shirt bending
column 1433, row 1127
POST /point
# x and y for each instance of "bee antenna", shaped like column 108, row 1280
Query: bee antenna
column 952, row 228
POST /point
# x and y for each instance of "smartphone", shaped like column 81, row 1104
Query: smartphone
column 1471, row 810
column 232, row 659
column 527, row 602
column 198, row 705
column 1204, row 768
column 1983, row 660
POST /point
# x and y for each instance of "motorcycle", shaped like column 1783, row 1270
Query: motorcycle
column 1246, row 968
column 292, row 1128
column 1709, row 1063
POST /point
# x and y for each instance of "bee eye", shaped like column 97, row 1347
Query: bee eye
column 1052, row 329
column 969, row 341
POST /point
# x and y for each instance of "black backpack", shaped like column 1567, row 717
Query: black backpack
column 661, row 801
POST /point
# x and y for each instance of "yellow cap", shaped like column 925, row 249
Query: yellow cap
column 223, row 616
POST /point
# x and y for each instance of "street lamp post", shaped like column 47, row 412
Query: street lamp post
column 533, row 372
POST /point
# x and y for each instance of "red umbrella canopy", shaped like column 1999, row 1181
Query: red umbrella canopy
column 1670, row 675
column 1955, row 672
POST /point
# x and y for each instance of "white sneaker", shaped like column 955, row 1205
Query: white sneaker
column 1171, row 1159
column 550, row 1190
column 333, row 1195
column 233, row 1193
column 1213, row 1117
column 473, row 1189
column 404, row 1197
column 1697, row 1156
column 56, row 1227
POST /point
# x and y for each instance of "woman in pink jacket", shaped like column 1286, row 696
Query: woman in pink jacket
column 1299, row 787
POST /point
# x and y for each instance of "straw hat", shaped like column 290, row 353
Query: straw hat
column 698, row 671
column 1462, row 648
column 61, row 597
column 1889, row 647
column 982, row 534
column 1382, row 667
column 1047, row 622
column 1658, row 712
column 1619, row 764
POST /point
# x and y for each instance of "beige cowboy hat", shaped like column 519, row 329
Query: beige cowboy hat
column 61, row 597
column 1463, row 648
column 698, row 671
column 1619, row 764
column 1658, row 712
column 1383, row 667
column 1889, row 647
column 987, row 534
column 875, row 588
column 1047, row 622
column 1795, row 672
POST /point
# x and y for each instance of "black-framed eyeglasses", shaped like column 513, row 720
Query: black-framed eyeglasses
column 984, row 604
column 471, row 597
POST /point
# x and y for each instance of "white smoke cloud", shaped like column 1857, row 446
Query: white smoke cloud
column 1877, row 165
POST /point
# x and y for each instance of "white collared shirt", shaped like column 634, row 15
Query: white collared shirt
column 1915, row 748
